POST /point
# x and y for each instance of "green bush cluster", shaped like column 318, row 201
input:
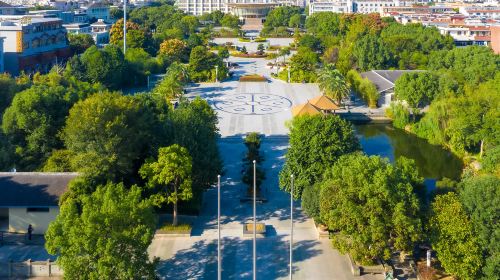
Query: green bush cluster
column 364, row 88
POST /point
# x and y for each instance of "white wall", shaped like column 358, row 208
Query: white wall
column 19, row 219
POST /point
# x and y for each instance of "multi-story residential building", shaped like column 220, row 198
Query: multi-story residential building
column 100, row 32
column 33, row 44
column 80, row 17
column 464, row 35
column 492, row 12
column 78, row 28
column 7, row 9
column 64, row 5
column 335, row 6
column 1, row 55
column 65, row 16
column 372, row 6
column 242, row 8
column 98, row 10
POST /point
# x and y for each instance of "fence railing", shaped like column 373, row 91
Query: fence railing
column 29, row 269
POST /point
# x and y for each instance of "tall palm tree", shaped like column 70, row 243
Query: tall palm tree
column 333, row 84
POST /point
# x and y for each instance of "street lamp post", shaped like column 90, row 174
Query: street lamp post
column 254, row 221
column 216, row 73
column 291, row 229
column 124, row 26
column 218, row 229
column 288, row 74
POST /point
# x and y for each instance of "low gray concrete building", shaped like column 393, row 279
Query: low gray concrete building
column 30, row 198
column 384, row 81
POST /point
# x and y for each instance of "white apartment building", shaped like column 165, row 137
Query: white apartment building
column 468, row 35
column 33, row 44
column 200, row 7
column 242, row 8
column 338, row 6
column 492, row 12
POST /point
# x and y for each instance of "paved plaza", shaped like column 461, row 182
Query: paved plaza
column 242, row 108
column 263, row 107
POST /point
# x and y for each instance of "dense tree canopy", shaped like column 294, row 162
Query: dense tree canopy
column 417, row 88
column 104, row 235
column 453, row 237
column 481, row 200
column 36, row 116
column 202, row 65
column 316, row 142
column 108, row 133
column 371, row 206
column 80, row 42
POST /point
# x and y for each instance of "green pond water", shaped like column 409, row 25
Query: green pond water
column 433, row 162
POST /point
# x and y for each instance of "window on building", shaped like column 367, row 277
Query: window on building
column 37, row 209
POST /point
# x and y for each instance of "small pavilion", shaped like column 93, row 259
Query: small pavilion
column 324, row 103
column 305, row 109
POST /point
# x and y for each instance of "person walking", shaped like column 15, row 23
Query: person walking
column 30, row 231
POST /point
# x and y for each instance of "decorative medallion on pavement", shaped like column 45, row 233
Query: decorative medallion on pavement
column 252, row 104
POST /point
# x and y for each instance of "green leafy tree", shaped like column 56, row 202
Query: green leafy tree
column 311, row 42
column 140, row 64
column 284, row 52
column 230, row 21
column 371, row 206
column 469, row 66
column 303, row 65
column 104, row 235
column 371, row 53
column 202, row 65
column 170, row 176
column 108, row 133
column 453, row 237
column 194, row 126
column 80, row 42
column 136, row 37
column 481, row 200
column 261, row 49
column 333, row 84
column 310, row 202
column 173, row 49
column 105, row 66
column 36, row 116
column 316, row 142
column 295, row 21
column 417, row 88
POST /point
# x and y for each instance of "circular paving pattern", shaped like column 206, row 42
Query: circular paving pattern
column 252, row 103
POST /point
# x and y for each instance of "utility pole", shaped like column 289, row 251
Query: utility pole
column 254, row 221
column 124, row 26
column 218, row 229
column 291, row 229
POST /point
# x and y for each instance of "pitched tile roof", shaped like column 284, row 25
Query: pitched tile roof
column 32, row 189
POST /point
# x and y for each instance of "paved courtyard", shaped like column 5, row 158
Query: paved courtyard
column 243, row 108
column 263, row 107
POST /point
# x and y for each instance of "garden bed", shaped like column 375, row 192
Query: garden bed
column 248, row 55
column 169, row 230
column 253, row 78
column 248, row 229
column 358, row 270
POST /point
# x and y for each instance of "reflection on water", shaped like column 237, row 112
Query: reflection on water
column 433, row 162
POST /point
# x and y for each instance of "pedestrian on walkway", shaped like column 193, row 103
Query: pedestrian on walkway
column 30, row 231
